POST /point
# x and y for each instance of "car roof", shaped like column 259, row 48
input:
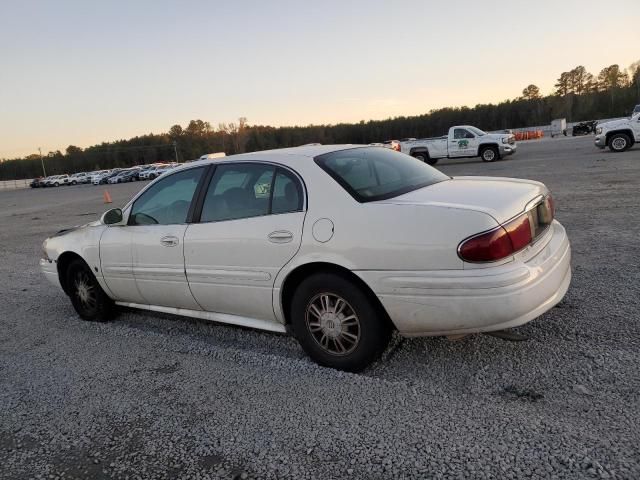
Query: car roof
column 284, row 155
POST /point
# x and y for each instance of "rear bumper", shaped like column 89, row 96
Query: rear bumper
column 451, row 302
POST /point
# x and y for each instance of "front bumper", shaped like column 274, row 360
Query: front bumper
column 449, row 302
column 507, row 149
column 600, row 141
column 50, row 270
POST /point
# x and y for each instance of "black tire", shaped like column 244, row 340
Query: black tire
column 424, row 157
column 86, row 294
column 56, row 184
column 361, row 316
column 619, row 142
column 74, row 183
column 489, row 154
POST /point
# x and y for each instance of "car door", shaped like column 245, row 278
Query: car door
column 463, row 144
column 156, row 225
column 250, row 226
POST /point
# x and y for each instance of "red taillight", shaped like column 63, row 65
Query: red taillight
column 396, row 147
column 499, row 243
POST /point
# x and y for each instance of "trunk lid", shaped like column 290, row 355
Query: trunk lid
column 501, row 198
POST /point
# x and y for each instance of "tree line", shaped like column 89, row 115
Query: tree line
column 578, row 96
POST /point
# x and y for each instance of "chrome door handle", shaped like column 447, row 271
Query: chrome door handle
column 280, row 236
column 169, row 241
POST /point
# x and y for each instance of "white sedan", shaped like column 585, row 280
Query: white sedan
column 339, row 245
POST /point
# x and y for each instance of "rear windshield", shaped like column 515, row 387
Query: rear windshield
column 377, row 173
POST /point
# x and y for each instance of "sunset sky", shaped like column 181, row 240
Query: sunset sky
column 83, row 72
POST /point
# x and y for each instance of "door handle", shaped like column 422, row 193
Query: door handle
column 169, row 241
column 280, row 236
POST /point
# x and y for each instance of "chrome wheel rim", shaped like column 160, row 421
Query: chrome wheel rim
column 333, row 324
column 489, row 155
column 619, row 143
column 85, row 291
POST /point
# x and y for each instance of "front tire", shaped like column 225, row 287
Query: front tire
column 337, row 324
column 490, row 154
column 619, row 142
column 86, row 294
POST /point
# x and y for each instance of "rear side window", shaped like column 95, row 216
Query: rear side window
column 238, row 191
column 373, row 173
column 246, row 190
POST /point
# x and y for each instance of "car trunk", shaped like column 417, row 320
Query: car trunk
column 502, row 198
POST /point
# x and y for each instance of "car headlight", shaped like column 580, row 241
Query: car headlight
column 505, row 139
column 598, row 130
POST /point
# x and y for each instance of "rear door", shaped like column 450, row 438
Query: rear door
column 250, row 227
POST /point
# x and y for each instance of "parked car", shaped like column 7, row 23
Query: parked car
column 104, row 178
column 36, row 182
column 584, row 128
column 56, row 180
column 618, row 135
column 81, row 177
column 339, row 245
column 636, row 109
column 124, row 176
column 462, row 141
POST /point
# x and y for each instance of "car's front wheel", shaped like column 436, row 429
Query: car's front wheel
column 490, row 154
column 337, row 324
column 619, row 142
column 87, row 296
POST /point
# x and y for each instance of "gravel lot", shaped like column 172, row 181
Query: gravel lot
column 157, row 396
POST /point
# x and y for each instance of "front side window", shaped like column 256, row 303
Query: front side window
column 460, row 133
column 371, row 173
column 167, row 202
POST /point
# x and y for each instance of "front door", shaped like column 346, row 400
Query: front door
column 463, row 144
column 157, row 225
column 250, row 227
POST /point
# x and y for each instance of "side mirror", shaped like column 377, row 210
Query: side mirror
column 112, row 217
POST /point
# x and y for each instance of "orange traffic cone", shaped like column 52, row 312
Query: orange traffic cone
column 107, row 197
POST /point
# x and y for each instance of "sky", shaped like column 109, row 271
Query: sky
column 84, row 72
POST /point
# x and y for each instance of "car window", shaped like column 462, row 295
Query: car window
column 287, row 193
column 460, row 133
column 167, row 202
column 373, row 173
column 238, row 191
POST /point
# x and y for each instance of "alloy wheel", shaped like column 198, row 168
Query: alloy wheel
column 333, row 323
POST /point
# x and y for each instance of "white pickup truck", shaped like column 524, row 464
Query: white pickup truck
column 618, row 135
column 462, row 141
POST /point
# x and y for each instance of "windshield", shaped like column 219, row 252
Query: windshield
column 477, row 131
column 375, row 173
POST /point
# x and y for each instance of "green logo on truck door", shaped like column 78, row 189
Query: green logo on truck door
column 463, row 143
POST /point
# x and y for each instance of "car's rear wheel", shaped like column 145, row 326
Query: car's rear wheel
column 87, row 296
column 619, row 142
column 337, row 324
column 489, row 154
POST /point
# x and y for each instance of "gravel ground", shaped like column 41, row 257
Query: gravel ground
column 157, row 396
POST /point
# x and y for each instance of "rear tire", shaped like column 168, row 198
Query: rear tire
column 424, row 157
column 337, row 324
column 489, row 154
column 86, row 294
column 619, row 142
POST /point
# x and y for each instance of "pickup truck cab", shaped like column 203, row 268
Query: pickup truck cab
column 462, row 141
column 618, row 135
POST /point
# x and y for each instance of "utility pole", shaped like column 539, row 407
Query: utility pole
column 44, row 172
column 175, row 150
